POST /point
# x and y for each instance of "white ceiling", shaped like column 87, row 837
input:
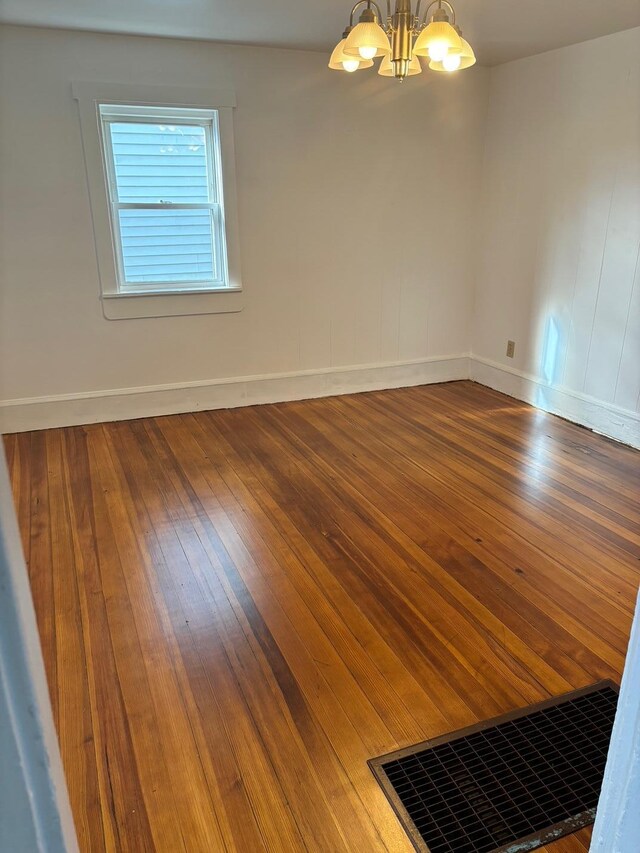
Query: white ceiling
column 499, row 30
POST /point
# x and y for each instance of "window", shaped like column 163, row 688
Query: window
column 161, row 178
column 165, row 196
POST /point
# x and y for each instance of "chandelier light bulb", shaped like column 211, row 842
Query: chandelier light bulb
column 452, row 61
column 438, row 38
column 350, row 65
column 367, row 52
column 438, row 50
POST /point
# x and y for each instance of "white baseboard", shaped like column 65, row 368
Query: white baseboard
column 604, row 418
column 127, row 403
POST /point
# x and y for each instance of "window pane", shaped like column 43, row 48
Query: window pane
column 154, row 163
column 169, row 246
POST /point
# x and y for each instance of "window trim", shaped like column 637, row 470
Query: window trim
column 121, row 303
column 209, row 121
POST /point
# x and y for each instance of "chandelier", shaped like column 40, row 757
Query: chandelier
column 404, row 38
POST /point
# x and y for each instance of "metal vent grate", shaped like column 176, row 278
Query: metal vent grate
column 512, row 783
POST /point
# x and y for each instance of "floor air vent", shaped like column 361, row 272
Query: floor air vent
column 510, row 784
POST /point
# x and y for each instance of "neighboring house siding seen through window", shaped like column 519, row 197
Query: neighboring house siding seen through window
column 164, row 177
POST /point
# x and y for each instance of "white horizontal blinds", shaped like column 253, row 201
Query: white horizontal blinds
column 166, row 205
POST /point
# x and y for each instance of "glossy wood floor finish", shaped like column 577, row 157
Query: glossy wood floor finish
column 239, row 608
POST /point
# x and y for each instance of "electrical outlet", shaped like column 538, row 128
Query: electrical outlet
column 511, row 348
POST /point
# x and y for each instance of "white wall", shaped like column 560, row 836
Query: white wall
column 356, row 196
column 558, row 264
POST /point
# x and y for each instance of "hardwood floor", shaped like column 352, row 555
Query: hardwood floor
column 239, row 608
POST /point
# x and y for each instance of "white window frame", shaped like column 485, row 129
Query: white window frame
column 208, row 121
column 119, row 299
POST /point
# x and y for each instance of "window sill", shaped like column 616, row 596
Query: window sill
column 166, row 291
column 176, row 303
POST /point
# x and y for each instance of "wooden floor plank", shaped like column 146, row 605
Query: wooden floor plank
column 504, row 499
column 415, row 536
column 512, row 443
column 221, row 642
column 72, row 670
column 417, row 577
column 124, row 816
column 297, row 675
column 239, row 608
column 447, row 514
column 491, row 582
column 493, row 515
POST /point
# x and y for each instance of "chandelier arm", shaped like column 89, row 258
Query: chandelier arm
column 439, row 3
column 368, row 4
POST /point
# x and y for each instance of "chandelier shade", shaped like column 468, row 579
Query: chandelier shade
column 436, row 40
column 367, row 40
column 340, row 61
column 466, row 56
column 402, row 38
column 387, row 67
